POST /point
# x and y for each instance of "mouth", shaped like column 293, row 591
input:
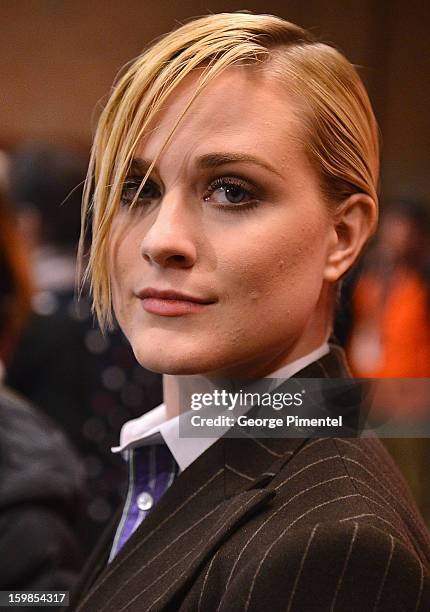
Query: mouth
column 169, row 303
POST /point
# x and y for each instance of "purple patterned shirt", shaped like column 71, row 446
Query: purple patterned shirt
column 152, row 469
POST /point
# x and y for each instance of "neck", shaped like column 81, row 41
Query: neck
column 178, row 390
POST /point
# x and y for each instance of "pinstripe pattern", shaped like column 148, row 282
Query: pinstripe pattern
column 362, row 450
column 179, row 577
column 138, row 595
column 165, row 550
column 377, row 518
column 282, row 534
column 345, row 565
column 384, row 577
column 239, row 473
column 420, row 590
column 306, row 467
column 278, row 524
column 302, row 562
column 208, row 571
column 386, row 489
column 264, row 524
column 266, row 448
column 123, row 558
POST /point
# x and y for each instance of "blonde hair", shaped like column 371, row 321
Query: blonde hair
column 341, row 132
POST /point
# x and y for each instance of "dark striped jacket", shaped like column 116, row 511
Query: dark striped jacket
column 281, row 524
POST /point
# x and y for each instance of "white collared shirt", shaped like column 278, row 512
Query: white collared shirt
column 154, row 427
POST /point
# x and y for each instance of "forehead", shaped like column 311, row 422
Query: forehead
column 242, row 110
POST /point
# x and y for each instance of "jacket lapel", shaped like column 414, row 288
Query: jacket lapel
column 218, row 492
column 202, row 507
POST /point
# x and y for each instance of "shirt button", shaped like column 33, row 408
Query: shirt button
column 145, row 501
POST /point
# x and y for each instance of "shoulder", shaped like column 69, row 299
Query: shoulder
column 331, row 566
column 40, row 488
column 351, row 479
column 342, row 531
column 37, row 462
column 52, row 557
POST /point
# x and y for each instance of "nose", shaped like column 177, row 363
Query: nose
column 169, row 242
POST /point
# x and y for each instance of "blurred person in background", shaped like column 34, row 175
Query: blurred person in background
column 89, row 383
column 390, row 330
column 46, row 187
column 390, row 334
column 40, row 477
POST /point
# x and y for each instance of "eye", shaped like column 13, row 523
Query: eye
column 150, row 191
column 229, row 192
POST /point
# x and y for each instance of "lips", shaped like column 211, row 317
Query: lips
column 169, row 303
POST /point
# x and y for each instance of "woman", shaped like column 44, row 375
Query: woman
column 41, row 487
column 234, row 178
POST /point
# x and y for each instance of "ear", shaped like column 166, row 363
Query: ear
column 353, row 224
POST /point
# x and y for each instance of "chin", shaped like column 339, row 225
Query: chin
column 180, row 363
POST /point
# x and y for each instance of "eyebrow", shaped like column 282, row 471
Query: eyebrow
column 213, row 160
column 209, row 161
column 140, row 165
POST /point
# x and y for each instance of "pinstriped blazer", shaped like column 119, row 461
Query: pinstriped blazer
column 288, row 524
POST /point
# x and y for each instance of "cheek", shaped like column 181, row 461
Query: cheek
column 277, row 269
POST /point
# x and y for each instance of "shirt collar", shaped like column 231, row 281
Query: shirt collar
column 154, row 427
column 299, row 364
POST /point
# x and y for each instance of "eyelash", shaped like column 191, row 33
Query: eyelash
column 224, row 181
column 133, row 183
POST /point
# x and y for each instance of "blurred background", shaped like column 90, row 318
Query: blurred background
column 58, row 59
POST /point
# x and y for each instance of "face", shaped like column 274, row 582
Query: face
column 220, row 267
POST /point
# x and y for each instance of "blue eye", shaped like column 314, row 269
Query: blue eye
column 149, row 191
column 230, row 193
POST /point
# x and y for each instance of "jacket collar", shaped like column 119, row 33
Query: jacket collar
column 220, row 490
column 155, row 427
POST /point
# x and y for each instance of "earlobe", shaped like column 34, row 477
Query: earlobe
column 353, row 225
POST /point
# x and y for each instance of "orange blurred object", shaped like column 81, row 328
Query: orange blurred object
column 391, row 332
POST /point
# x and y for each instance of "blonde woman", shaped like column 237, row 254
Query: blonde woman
column 233, row 182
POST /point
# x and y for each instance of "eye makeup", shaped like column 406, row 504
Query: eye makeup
column 237, row 193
